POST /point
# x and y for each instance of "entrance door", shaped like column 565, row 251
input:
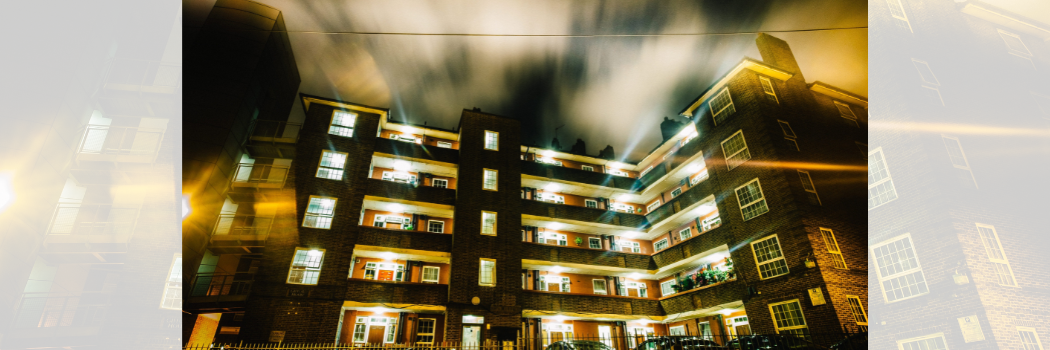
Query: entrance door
column 376, row 334
column 471, row 336
column 605, row 333
column 743, row 330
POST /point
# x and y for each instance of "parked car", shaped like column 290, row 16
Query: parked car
column 855, row 341
column 578, row 345
column 677, row 343
column 771, row 342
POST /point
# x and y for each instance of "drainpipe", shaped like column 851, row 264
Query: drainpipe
column 408, row 270
column 400, row 335
column 535, row 279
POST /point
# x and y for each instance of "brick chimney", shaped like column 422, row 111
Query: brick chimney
column 777, row 53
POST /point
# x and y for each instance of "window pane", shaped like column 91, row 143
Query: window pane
column 489, row 180
column 735, row 149
column 491, row 140
column 722, row 106
column 788, row 315
column 488, row 223
column 955, row 152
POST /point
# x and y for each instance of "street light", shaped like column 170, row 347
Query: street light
column 7, row 192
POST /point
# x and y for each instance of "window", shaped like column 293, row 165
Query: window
column 624, row 207
column 599, row 286
column 863, row 148
column 735, row 150
column 487, row 274
column 786, row 129
column 431, row 273
column 880, row 185
column 489, row 179
column 958, row 159
column 639, row 289
column 767, row 87
column 793, row 143
column 858, row 310
column 548, row 160
column 721, row 106
column 897, row 11
column 594, row 243
column 1014, row 44
column 564, row 284
column 364, row 323
column 678, row 330
column 425, row 331
column 769, row 257
column 384, row 271
column 929, row 342
column 306, row 266
column 846, row 112
column 436, row 226
column 652, row 206
column 898, row 269
column 439, row 183
column 1029, row 338
column 996, row 255
column 331, row 165
column 488, row 223
column 698, row 178
column 392, row 222
column 677, row 192
column 930, row 83
column 551, row 237
column 172, row 298
column 619, row 172
column 359, row 331
column 685, row 233
column 807, row 184
column 405, row 138
column 646, row 171
column 590, row 203
column 666, row 288
column 787, row 317
column 660, row 245
column 551, row 197
column 587, row 168
column 751, row 200
column 491, row 140
column 833, row 248
column 319, row 212
column 444, row 144
column 342, row 124
column 630, row 247
column 399, row 177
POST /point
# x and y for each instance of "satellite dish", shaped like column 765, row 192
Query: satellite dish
column 475, row 301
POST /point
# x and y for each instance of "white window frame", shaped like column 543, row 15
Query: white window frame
column 406, row 138
column 481, row 272
column 491, row 136
column 761, row 199
column 331, row 169
column 485, row 173
column 306, row 269
column 727, row 107
column 634, row 247
column 1024, row 54
column 743, row 151
column 807, row 181
column 855, row 305
column 172, row 298
column 494, row 218
column 688, row 233
column 591, row 240
column 932, row 85
column 665, row 241
column 434, row 182
column 642, row 287
column 381, row 221
column 902, row 273
column 676, row 192
column 845, row 107
column 396, row 176
column 444, row 144
column 604, row 286
column 888, row 178
column 770, row 260
column 588, row 202
column 773, row 315
column 624, row 207
column 962, row 154
column 649, row 208
column 375, row 267
column 766, row 83
column 903, row 15
column 549, row 160
column 666, row 289
column 552, row 197
column 587, row 167
column 646, row 171
column 389, row 325
column 618, row 172
column 676, row 330
column 437, row 274
column 1020, row 333
column 699, row 177
column 333, row 128
column 1000, row 261
column 430, row 226
column 433, row 329
column 558, row 238
column 785, row 127
column 320, row 216
column 832, row 246
column 901, row 343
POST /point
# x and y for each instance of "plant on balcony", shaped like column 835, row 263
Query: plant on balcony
column 579, row 241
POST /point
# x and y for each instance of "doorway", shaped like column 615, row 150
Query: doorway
column 471, row 335
column 605, row 334
column 375, row 334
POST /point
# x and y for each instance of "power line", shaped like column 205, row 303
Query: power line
column 552, row 35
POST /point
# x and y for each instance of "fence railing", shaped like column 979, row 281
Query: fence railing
column 229, row 224
column 216, row 284
column 143, row 76
column 275, row 130
column 92, row 219
column 120, row 140
column 37, row 310
column 260, row 174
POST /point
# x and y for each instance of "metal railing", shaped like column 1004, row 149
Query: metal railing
column 141, row 75
column 120, row 140
column 216, row 284
column 275, row 129
column 92, row 219
column 36, row 310
column 261, row 174
column 231, row 224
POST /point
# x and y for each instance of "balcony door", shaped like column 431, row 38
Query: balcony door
column 376, row 334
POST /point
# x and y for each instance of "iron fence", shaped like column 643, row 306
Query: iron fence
column 37, row 310
column 216, row 284
column 261, row 174
column 253, row 225
column 275, row 129
column 92, row 219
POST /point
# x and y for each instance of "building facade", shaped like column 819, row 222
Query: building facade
column 746, row 219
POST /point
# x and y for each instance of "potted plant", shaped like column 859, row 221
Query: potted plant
column 579, row 241
column 687, row 284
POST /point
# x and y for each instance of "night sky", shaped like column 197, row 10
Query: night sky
column 606, row 91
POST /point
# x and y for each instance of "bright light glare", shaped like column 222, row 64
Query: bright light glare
column 615, row 165
column 7, row 192
column 388, row 256
column 396, row 208
column 549, row 154
column 636, row 275
column 554, row 226
column 556, row 269
column 726, row 312
column 551, row 188
column 401, row 165
column 628, row 234
column 558, row 318
column 695, row 168
column 185, row 206
column 314, row 252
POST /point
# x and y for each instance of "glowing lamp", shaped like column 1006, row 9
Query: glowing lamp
column 551, row 188
column 401, row 165
column 185, row 206
column 554, row 226
column 388, row 256
column 558, row 318
column 726, row 312
column 636, row 275
column 556, row 269
column 396, row 208
column 548, row 154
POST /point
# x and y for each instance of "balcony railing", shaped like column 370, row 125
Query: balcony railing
column 369, row 291
column 706, row 296
column 412, row 150
column 567, row 254
column 243, row 225
column 143, row 76
column 577, row 175
column 410, row 192
column 260, row 175
column 416, row 240
column 587, row 303
column 92, row 219
column 275, row 131
column 569, row 212
column 691, row 196
column 36, row 310
column 119, row 143
column 219, row 284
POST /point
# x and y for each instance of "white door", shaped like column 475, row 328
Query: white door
column 471, row 336
column 605, row 333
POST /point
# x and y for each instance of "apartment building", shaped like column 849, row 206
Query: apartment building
column 955, row 232
column 384, row 232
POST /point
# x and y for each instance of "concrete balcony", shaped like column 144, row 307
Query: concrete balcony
column 272, row 139
column 409, row 192
column 704, row 297
column 415, row 240
column 239, row 233
column 583, row 214
column 667, row 166
column 705, row 242
column 589, row 304
column 577, row 175
column 260, row 175
column 142, row 77
column 572, row 255
column 387, row 292
column 221, row 287
column 89, row 233
column 694, row 195
column 119, row 144
column 41, row 314
column 411, row 150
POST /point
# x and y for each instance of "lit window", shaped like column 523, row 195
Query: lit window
column 587, row 168
column 431, row 273
column 646, row 171
column 331, row 165
column 698, row 178
column 172, row 298
column 488, row 223
column 767, row 87
column 721, row 106
column 685, row 233
column 735, row 150
column 401, row 177
column 630, row 247
column 751, row 200
column 599, row 286
column 489, row 179
column 436, row 226
column 306, row 266
column 897, row 11
column 786, row 129
column 439, row 183
column 552, row 197
column 898, row 269
column 487, row 273
column 880, row 185
column 618, row 172
column 857, row 309
column 770, row 257
column 595, row 243
column 833, row 248
column 847, row 113
column 1029, row 338
column 666, row 287
column 590, row 203
column 788, row 319
column 1014, row 44
column 491, row 140
column 660, row 245
column 677, row 192
column 444, row 144
column 319, row 212
column 653, row 206
column 807, row 184
column 996, row 255
column 929, row 342
column 551, row 237
column 342, row 124
column 425, row 331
